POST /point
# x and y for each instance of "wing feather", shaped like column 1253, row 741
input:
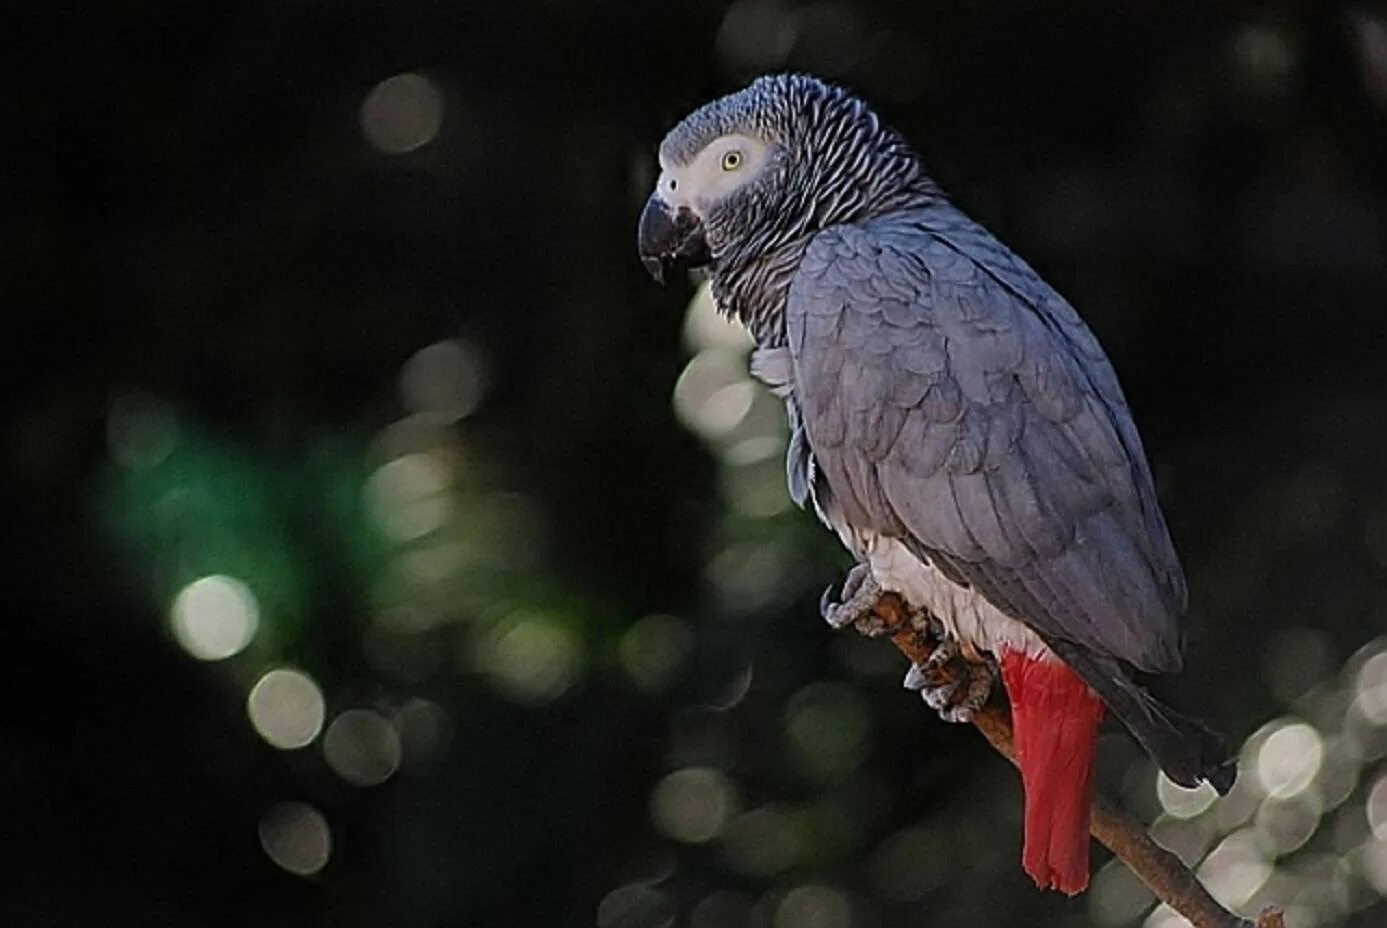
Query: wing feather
column 952, row 399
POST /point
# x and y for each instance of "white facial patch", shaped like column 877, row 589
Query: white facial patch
column 723, row 166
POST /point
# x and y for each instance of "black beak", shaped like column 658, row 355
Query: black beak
column 669, row 240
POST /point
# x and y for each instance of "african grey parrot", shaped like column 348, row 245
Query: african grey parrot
column 953, row 420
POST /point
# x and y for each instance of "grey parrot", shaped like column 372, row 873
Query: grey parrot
column 954, row 421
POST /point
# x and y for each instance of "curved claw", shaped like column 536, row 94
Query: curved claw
column 827, row 604
column 957, row 694
column 917, row 678
column 856, row 600
column 937, row 690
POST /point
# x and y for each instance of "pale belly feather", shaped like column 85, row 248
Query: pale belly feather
column 966, row 616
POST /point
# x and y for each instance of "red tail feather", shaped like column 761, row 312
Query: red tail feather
column 1054, row 719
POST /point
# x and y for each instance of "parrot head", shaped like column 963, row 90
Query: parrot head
column 765, row 166
column 694, row 192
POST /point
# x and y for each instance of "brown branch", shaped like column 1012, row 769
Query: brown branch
column 1170, row 880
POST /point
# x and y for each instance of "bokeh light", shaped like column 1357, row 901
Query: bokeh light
column 141, row 431
column 1269, row 835
column 1289, row 758
column 532, row 657
column 753, row 478
column 654, row 649
column 1187, row 839
column 215, row 617
column 1338, row 773
column 1117, row 896
column 409, row 495
column 402, row 113
column 296, row 836
column 1183, row 803
column 756, row 35
column 636, row 905
column 1376, row 808
column 692, row 805
column 909, row 864
column 828, row 730
column 1285, row 825
column 763, row 841
column 733, row 687
column 1373, row 859
column 1163, row 916
column 286, row 707
column 1264, row 57
column 722, row 909
column 362, row 747
column 713, row 395
column 813, row 907
column 1371, row 684
column 1235, row 869
column 707, row 329
column 447, row 380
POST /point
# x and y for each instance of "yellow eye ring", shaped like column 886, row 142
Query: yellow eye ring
column 731, row 161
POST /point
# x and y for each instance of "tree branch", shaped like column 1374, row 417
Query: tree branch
column 1170, row 880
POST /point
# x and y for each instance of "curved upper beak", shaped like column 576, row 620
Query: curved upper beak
column 670, row 238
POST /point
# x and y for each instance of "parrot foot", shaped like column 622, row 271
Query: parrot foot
column 981, row 678
column 950, row 684
column 856, row 601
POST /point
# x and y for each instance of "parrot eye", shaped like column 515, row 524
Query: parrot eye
column 731, row 161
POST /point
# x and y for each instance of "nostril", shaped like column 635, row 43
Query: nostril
column 673, row 184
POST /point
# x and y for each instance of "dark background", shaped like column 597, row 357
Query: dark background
column 230, row 230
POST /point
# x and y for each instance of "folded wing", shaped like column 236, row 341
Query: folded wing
column 951, row 399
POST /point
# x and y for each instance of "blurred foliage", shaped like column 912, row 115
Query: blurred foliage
column 389, row 550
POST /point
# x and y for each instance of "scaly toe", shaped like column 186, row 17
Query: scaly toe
column 944, row 651
column 860, row 593
column 950, row 684
column 981, row 678
column 940, row 698
column 958, row 714
column 873, row 626
column 974, row 686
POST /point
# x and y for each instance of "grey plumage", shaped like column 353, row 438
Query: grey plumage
column 991, row 446
column 834, row 163
column 941, row 394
